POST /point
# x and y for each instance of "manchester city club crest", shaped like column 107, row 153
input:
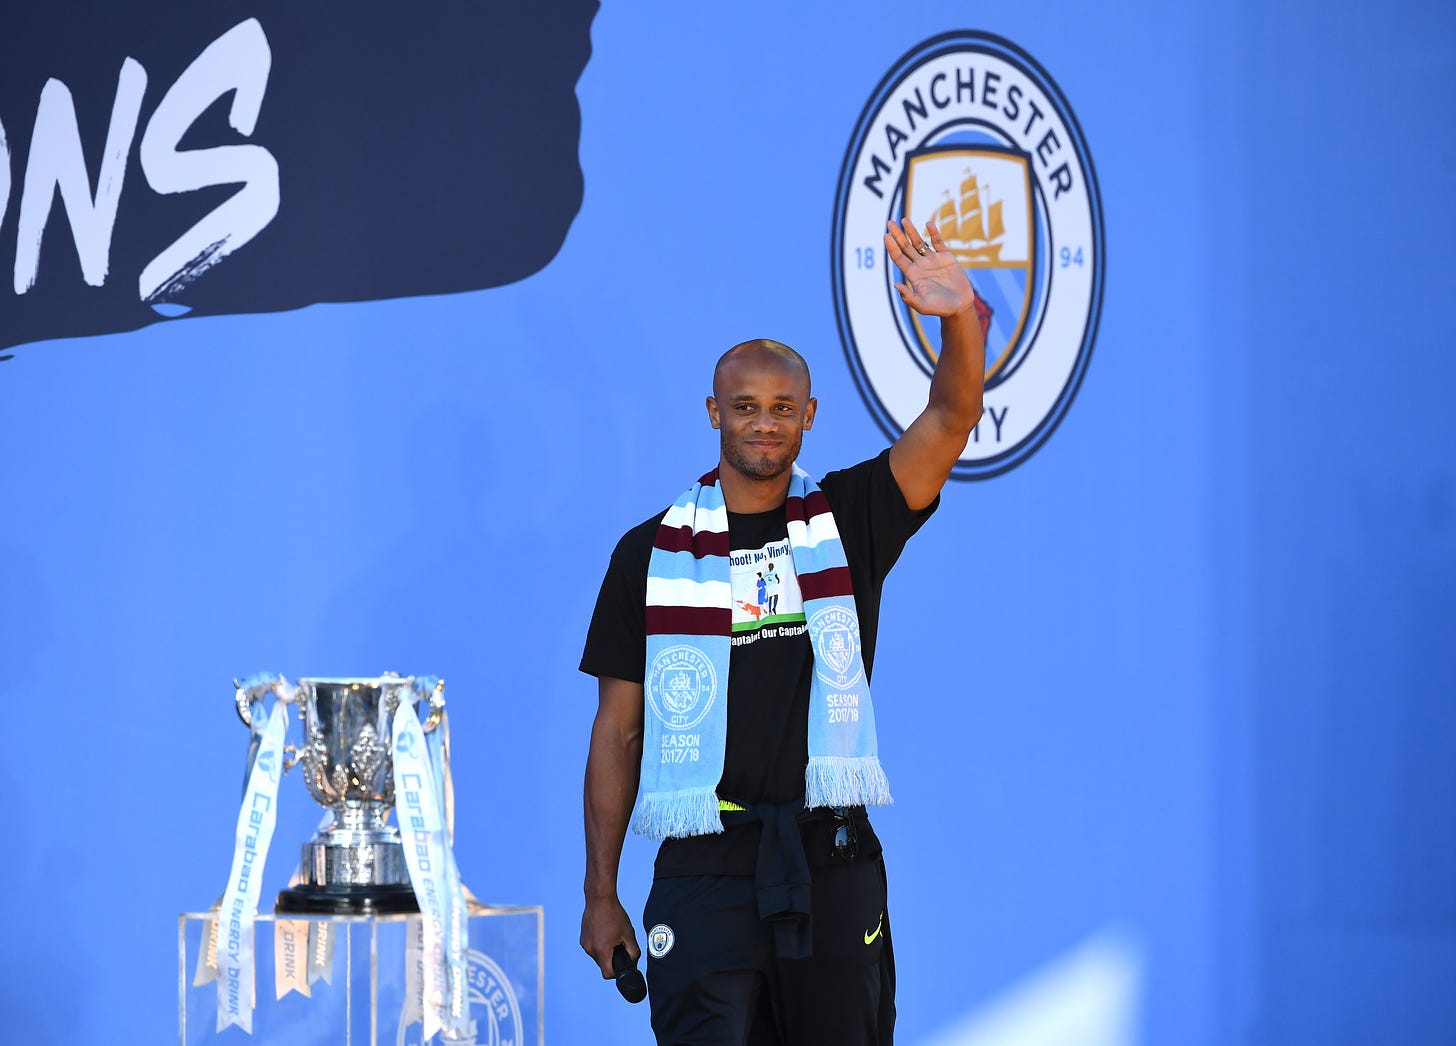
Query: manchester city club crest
column 660, row 940
column 834, row 633
column 970, row 132
column 681, row 685
column 495, row 1009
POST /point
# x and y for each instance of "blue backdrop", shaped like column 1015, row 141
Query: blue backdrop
column 1166, row 706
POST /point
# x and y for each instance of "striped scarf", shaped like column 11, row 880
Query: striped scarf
column 689, row 640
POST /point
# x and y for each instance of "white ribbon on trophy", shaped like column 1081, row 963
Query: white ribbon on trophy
column 321, row 937
column 437, row 744
column 420, row 806
column 236, row 992
column 413, row 1011
column 290, row 957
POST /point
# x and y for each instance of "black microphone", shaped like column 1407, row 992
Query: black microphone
column 630, row 981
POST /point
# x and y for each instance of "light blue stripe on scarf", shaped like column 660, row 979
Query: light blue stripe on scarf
column 824, row 556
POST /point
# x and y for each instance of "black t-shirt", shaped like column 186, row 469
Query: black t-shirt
column 771, row 663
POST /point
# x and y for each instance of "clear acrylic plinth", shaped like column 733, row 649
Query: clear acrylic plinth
column 360, row 988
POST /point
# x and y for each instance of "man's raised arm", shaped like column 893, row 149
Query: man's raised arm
column 936, row 285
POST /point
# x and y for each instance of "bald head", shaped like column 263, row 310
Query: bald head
column 761, row 407
column 759, row 352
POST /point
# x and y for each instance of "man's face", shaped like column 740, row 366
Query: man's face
column 761, row 407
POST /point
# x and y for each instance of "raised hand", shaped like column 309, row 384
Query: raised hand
column 935, row 284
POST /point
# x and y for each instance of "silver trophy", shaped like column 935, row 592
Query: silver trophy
column 356, row 864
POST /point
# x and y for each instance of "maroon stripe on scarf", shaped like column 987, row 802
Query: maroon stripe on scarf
column 689, row 621
column 681, row 539
column 824, row 584
column 806, row 508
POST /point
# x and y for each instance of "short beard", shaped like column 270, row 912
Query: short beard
column 759, row 468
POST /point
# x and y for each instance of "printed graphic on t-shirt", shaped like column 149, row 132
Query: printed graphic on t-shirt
column 766, row 597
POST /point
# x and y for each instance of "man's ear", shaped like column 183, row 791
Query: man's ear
column 713, row 411
column 810, row 409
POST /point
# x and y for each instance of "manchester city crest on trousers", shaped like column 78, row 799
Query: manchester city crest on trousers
column 969, row 131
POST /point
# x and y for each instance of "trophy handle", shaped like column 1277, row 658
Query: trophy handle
column 291, row 756
column 253, row 688
column 245, row 711
column 436, row 697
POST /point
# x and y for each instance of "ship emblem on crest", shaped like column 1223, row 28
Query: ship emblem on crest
column 680, row 689
column 660, row 940
column 980, row 200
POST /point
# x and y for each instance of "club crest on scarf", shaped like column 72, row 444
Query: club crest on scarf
column 681, row 686
column 835, row 635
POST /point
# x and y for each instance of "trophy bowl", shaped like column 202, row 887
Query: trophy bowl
column 355, row 865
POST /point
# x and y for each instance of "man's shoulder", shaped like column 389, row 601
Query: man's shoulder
column 637, row 542
column 869, row 491
column 858, row 476
column 648, row 526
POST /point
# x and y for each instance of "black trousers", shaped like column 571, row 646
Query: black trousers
column 714, row 979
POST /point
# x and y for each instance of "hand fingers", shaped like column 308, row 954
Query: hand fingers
column 594, row 953
column 895, row 253
column 601, row 950
column 899, row 249
column 628, row 941
column 932, row 233
column 900, row 237
column 918, row 243
column 905, row 244
column 604, row 956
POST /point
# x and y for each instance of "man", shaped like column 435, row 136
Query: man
column 772, row 583
column 753, row 744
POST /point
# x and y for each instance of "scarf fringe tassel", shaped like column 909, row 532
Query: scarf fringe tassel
column 844, row 781
column 673, row 815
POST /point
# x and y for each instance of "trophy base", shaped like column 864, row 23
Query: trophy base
column 334, row 979
column 347, row 899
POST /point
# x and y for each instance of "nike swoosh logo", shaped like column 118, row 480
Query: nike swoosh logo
column 870, row 937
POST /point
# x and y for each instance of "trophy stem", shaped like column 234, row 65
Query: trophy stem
column 357, row 816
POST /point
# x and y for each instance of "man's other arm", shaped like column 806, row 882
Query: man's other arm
column 613, row 766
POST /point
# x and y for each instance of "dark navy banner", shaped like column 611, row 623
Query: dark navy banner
column 234, row 158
